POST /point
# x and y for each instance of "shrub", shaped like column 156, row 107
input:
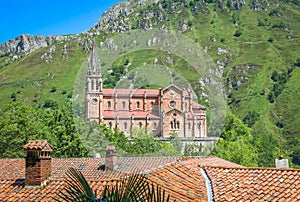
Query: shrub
column 13, row 96
column 271, row 97
column 53, row 90
column 50, row 104
column 238, row 33
column 297, row 63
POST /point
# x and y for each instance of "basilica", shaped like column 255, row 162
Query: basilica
column 160, row 111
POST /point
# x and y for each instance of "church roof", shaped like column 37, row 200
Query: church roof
column 128, row 114
column 132, row 92
column 197, row 105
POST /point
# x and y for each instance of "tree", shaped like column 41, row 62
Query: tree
column 19, row 124
column 251, row 118
column 63, row 131
column 143, row 143
column 268, row 149
column 236, row 143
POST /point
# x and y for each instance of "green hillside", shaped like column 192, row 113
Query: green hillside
column 35, row 81
column 249, row 46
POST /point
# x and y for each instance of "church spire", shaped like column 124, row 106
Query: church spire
column 94, row 76
column 94, row 63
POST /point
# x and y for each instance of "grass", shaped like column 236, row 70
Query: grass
column 34, row 78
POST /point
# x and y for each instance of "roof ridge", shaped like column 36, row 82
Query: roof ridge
column 253, row 168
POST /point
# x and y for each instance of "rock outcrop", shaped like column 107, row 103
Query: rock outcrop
column 25, row 44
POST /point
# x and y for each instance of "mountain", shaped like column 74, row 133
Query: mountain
column 254, row 44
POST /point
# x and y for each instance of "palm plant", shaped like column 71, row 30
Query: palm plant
column 132, row 188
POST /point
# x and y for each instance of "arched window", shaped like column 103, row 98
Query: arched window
column 189, row 126
column 137, row 104
column 97, row 85
column 123, row 105
column 171, row 124
column 92, row 85
column 178, row 125
column 108, row 105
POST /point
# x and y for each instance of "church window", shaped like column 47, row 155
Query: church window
column 137, row 104
column 178, row 125
column 172, row 104
column 151, row 105
column 189, row 126
column 125, row 125
column 94, row 100
column 171, row 124
column 172, row 94
column 154, row 126
column 97, row 85
column 123, row 104
column 92, row 85
column 108, row 105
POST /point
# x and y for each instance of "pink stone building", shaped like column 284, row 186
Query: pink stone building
column 160, row 111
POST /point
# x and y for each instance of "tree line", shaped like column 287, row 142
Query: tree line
column 76, row 137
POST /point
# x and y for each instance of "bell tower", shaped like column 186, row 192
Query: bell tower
column 94, row 87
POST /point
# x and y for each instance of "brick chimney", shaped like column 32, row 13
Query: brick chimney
column 111, row 158
column 38, row 163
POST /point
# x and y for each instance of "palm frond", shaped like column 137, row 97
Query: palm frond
column 77, row 188
column 132, row 188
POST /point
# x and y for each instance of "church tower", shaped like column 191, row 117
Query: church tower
column 94, row 87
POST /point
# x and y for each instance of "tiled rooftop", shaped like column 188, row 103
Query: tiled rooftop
column 133, row 92
column 254, row 184
column 180, row 177
column 128, row 114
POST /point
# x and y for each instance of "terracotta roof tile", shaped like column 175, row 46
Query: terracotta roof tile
column 38, row 145
column 254, row 184
column 128, row 114
column 181, row 177
column 182, row 173
column 197, row 105
column 133, row 92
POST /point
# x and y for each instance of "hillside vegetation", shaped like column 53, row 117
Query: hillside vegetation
column 254, row 43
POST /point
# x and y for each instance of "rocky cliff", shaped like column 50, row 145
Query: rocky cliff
column 25, row 43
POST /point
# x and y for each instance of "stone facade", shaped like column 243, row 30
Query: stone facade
column 160, row 111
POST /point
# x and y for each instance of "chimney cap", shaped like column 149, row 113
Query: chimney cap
column 110, row 147
column 41, row 145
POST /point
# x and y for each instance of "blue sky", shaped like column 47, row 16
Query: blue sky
column 52, row 17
